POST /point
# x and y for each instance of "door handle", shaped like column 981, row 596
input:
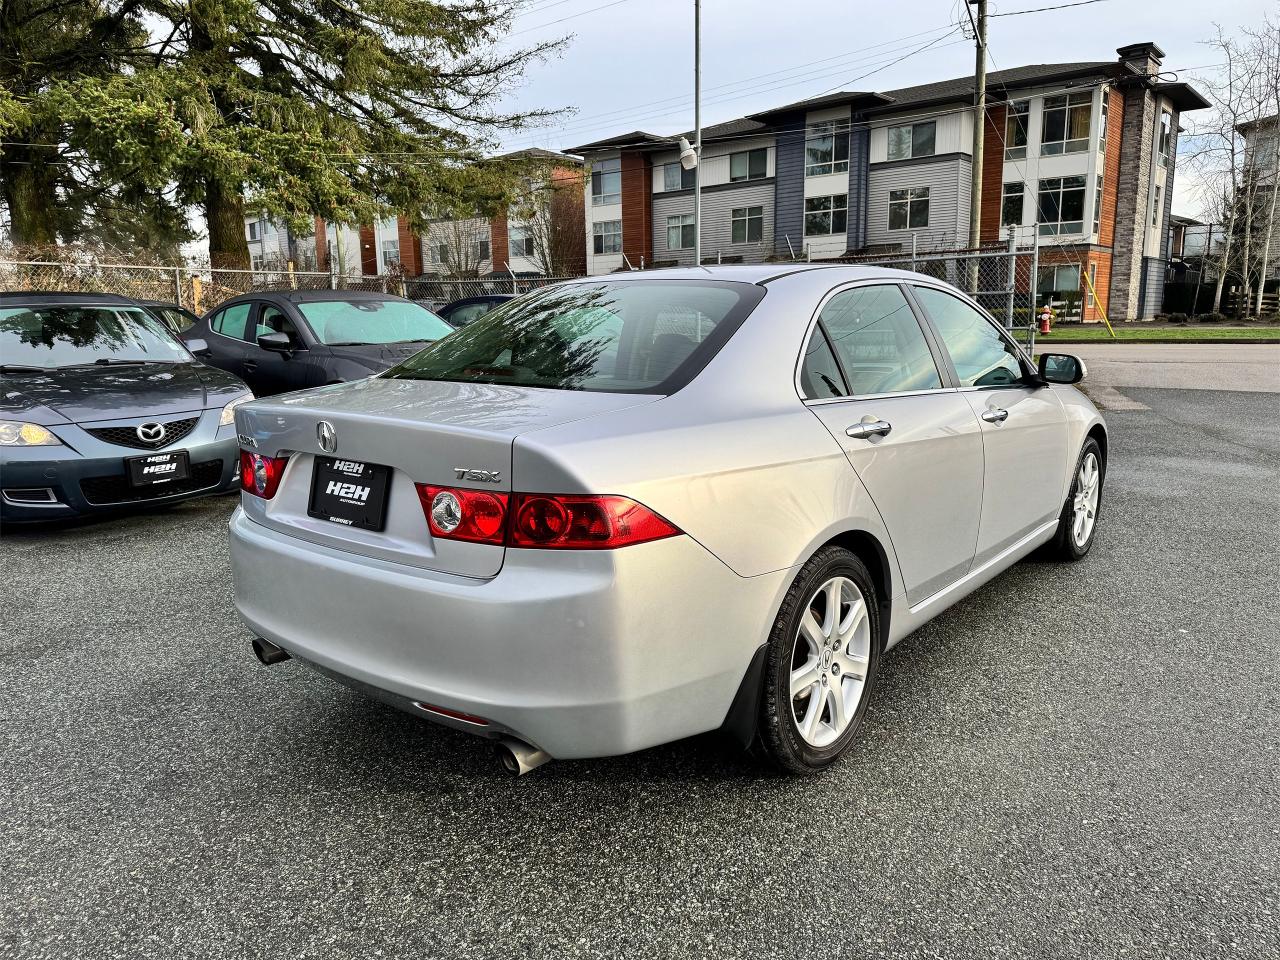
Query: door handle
column 866, row 429
column 995, row 415
column 250, row 366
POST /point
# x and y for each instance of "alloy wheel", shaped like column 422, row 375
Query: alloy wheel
column 1084, row 508
column 829, row 662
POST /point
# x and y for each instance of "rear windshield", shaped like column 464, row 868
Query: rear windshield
column 639, row 336
column 69, row 336
column 338, row 322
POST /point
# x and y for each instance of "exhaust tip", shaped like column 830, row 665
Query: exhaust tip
column 518, row 757
column 268, row 653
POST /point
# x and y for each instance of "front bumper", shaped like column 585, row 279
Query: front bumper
column 583, row 654
column 87, row 475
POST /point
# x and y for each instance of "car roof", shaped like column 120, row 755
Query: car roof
column 34, row 298
column 758, row 273
column 312, row 296
column 480, row 298
column 164, row 303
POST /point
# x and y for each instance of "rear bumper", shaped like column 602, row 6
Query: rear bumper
column 582, row 654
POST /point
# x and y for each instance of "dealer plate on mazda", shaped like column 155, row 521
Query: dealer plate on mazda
column 349, row 492
column 158, row 468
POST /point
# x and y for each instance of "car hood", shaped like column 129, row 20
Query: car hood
column 87, row 394
column 378, row 356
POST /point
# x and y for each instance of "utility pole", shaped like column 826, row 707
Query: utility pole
column 697, row 132
column 979, row 130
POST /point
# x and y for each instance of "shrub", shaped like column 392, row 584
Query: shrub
column 1177, row 318
column 1211, row 318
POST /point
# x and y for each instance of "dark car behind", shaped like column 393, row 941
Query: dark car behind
column 459, row 313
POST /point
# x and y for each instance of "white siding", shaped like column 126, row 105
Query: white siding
column 715, row 160
column 953, row 132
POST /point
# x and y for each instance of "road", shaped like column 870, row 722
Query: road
column 1203, row 366
column 1075, row 761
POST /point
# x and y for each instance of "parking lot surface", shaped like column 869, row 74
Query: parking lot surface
column 1075, row 761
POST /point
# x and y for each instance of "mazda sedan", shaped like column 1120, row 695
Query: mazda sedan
column 634, row 508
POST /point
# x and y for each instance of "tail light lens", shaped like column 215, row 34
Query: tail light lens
column 537, row 520
column 259, row 475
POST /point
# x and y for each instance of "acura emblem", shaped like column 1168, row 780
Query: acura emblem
column 327, row 436
column 150, row 432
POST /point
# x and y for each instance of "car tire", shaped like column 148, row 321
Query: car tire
column 816, row 663
column 1078, row 522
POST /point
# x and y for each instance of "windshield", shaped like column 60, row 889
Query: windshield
column 68, row 336
column 644, row 336
column 338, row 322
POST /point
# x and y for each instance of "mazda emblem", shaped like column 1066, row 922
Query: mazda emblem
column 327, row 436
column 150, row 432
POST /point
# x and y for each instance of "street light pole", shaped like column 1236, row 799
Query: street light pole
column 979, row 129
column 697, row 132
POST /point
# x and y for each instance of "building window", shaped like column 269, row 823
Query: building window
column 1064, row 278
column 826, row 149
column 1166, row 136
column 1061, row 206
column 256, row 260
column 680, row 232
column 676, row 177
column 606, row 236
column 1015, row 130
column 909, row 209
column 1066, row 123
column 520, row 242
column 912, row 140
column 1155, row 207
column 749, row 164
column 252, row 228
column 1102, row 124
column 748, row 224
column 606, row 182
column 1011, row 205
column 442, row 253
column 1097, row 206
column 826, row 216
column 390, row 253
column 482, row 249
column 1092, row 285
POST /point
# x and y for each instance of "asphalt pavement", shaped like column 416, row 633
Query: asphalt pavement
column 1076, row 761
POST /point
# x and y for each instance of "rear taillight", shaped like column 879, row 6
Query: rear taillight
column 539, row 520
column 259, row 475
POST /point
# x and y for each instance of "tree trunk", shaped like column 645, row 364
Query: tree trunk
column 1270, row 229
column 28, row 188
column 1246, row 253
column 224, row 216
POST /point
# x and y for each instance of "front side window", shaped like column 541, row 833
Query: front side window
column 632, row 336
column 1015, row 130
column 676, row 177
column 352, row 322
column 826, row 216
column 73, row 336
column 606, row 182
column 232, row 321
column 1061, row 205
column 749, row 165
column 879, row 341
column 826, row 150
column 1066, row 123
column 747, row 224
column 1011, row 205
column 606, row 236
column 912, row 140
column 981, row 354
column 909, row 208
column 1166, row 136
column 271, row 319
column 680, row 232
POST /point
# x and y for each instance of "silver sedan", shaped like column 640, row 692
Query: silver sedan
column 629, row 509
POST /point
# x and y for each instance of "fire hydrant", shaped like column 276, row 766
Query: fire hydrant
column 1046, row 318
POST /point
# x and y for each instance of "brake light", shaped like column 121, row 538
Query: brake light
column 259, row 475
column 539, row 520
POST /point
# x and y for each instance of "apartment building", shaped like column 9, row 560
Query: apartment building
column 1078, row 158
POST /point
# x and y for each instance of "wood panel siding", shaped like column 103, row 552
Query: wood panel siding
column 499, row 245
column 992, row 174
column 637, row 208
column 368, row 252
column 1111, row 170
column 410, row 248
column 322, row 244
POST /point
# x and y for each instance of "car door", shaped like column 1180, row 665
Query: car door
column 874, row 377
column 1024, row 428
column 228, row 346
column 274, row 372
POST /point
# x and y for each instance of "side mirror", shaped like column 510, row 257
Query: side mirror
column 197, row 347
column 277, row 342
column 1061, row 368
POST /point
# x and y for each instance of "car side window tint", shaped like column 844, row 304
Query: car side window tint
column 879, row 341
column 820, row 376
column 273, row 320
column 982, row 356
column 232, row 321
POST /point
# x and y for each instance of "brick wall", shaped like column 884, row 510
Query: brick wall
column 1136, row 134
column 992, row 173
column 637, row 203
column 499, row 245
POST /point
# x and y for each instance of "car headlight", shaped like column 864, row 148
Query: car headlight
column 229, row 411
column 16, row 434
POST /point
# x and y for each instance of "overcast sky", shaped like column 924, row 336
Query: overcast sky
column 629, row 63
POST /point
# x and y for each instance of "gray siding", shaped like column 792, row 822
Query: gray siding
column 1166, row 215
column 948, row 183
column 789, row 174
column 1151, row 296
column 859, row 153
column 717, row 222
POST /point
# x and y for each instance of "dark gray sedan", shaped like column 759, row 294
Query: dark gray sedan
column 288, row 340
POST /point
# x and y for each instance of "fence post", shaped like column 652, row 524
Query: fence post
column 195, row 294
column 913, row 253
column 293, row 280
column 333, row 274
column 1035, row 282
column 511, row 273
column 177, row 285
column 1013, row 279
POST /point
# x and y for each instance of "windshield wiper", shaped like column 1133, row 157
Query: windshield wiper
column 21, row 368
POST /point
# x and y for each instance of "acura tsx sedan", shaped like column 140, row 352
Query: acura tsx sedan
column 628, row 509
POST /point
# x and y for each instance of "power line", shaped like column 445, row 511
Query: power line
column 1060, row 6
column 572, row 16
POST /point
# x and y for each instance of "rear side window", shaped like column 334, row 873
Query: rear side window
column 633, row 336
column 879, row 341
column 980, row 353
column 820, row 375
column 232, row 321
